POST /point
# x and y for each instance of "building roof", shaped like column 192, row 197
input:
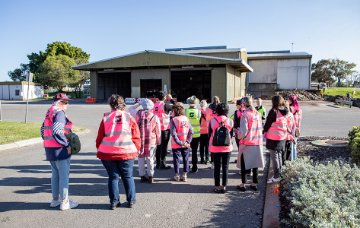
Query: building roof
column 285, row 54
column 150, row 58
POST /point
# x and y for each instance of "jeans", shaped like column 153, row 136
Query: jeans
column 245, row 171
column 177, row 154
column 60, row 179
column 149, row 163
column 221, row 160
column 276, row 158
column 123, row 169
column 161, row 150
column 194, row 158
column 204, row 147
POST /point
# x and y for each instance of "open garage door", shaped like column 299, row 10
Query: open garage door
column 113, row 83
column 193, row 82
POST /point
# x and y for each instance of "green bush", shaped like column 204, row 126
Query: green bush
column 354, row 144
column 321, row 195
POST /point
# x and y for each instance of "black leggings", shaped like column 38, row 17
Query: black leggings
column 204, row 147
column 221, row 160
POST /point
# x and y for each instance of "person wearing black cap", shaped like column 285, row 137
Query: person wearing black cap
column 58, row 151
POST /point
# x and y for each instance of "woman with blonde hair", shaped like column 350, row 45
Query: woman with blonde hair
column 250, row 143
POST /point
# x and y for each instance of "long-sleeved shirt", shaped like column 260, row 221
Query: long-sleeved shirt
column 135, row 136
column 175, row 136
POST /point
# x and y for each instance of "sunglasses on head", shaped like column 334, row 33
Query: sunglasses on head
column 65, row 102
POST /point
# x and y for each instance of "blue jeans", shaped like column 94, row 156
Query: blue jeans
column 177, row 154
column 115, row 170
column 60, row 178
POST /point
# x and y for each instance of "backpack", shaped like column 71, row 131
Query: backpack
column 74, row 142
column 221, row 135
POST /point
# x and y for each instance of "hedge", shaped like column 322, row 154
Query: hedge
column 320, row 194
column 354, row 144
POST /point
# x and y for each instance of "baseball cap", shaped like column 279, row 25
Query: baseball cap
column 61, row 96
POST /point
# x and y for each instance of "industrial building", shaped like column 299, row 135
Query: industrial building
column 201, row 71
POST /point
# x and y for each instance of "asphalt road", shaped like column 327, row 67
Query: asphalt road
column 25, row 181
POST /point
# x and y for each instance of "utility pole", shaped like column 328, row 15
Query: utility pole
column 28, row 78
column 292, row 47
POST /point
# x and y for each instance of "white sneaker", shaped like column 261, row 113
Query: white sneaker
column 177, row 177
column 55, row 203
column 273, row 180
column 184, row 177
column 68, row 204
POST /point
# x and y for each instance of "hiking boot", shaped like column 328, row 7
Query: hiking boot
column 253, row 187
column 151, row 179
column 130, row 204
column 68, row 204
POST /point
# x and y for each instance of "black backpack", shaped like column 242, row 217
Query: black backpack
column 221, row 135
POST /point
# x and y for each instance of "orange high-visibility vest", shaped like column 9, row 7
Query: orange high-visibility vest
column 204, row 126
column 254, row 136
column 182, row 126
column 118, row 135
column 49, row 140
column 278, row 129
column 163, row 117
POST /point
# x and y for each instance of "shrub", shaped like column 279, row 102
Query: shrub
column 321, row 195
column 354, row 144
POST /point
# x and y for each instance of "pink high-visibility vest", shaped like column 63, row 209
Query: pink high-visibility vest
column 204, row 126
column 118, row 135
column 297, row 118
column 210, row 114
column 278, row 129
column 163, row 117
column 182, row 126
column 214, row 124
column 254, row 136
column 49, row 140
column 290, row 121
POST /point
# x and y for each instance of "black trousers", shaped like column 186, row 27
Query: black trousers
column 286, row 155
column 244, row 172
column 221, row 160
column 161, row 149
column 204, row 147
column 194, row 147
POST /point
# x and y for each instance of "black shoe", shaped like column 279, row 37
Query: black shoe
column 157, row 167
column 235, row 161
column 202, row 162
column 143, row 179
column 151, row 179
column 254, row 187
column 165, row 167
column 130, row 204
column 241, row 188
column 195, row 170
column 113, row 206
column 206, row 162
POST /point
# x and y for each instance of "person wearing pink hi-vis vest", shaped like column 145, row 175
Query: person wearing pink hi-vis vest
column 181, row 136
column 275, row 129
column 164, row 116
column 221, row 153
column 296, row 110
column 250, row 143
column 150, row 133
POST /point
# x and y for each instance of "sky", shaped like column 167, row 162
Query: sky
column 110, row 28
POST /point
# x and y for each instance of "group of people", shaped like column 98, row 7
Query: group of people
column 145, row 130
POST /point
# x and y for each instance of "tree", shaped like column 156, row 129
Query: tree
column 327, row 70
column 19, row 74
column 56, row 71
column 55, row 49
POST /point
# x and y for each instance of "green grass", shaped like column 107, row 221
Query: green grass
column 333, row 91
column 17, row 131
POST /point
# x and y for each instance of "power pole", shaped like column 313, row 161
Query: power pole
column 292, row 47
